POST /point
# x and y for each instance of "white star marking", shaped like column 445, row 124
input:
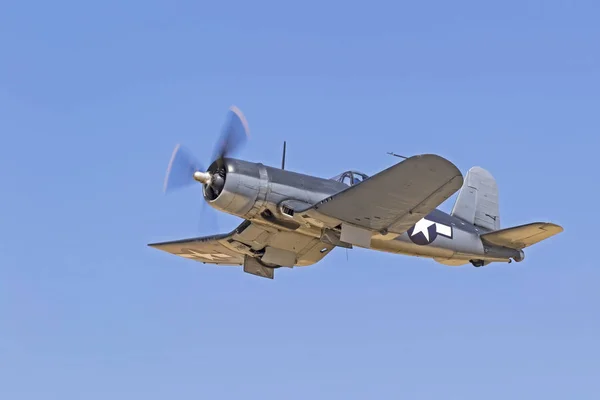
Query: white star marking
column 195, row 254
column 422, row 226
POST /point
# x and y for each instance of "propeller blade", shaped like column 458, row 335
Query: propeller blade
column 181, row 169
column 208, row 219
column 234, row 134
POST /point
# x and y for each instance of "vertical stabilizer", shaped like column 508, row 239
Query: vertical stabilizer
column 477, row 201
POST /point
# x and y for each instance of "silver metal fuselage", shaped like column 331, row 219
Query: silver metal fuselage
column 267, row 195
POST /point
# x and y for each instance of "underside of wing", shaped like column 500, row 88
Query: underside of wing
column 394, row 199
column 259, row 248
column 206, row 249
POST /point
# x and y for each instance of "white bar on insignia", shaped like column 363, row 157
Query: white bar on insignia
column 444, row 229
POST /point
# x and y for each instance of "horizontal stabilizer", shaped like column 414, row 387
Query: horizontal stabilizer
column 522, row 236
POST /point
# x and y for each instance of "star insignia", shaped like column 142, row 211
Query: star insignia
column 422, row 226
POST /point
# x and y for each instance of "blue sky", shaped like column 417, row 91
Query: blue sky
column 95, row 95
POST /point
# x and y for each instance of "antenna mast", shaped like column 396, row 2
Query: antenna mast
column 283, row 158
column 396, row 155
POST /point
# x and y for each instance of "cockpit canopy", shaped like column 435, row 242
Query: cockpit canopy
column 350, row 177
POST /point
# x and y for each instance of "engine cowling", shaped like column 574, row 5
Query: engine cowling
column 236, row 187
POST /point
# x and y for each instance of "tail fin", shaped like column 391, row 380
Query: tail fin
column 522, row 236
column 477, row 201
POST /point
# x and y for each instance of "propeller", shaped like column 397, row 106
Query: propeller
column 234, row 134
column 181, row 170
column 184, row 170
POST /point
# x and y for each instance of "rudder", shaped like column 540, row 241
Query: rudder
column 477, row 201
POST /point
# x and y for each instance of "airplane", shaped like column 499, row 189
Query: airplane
column 294, row 220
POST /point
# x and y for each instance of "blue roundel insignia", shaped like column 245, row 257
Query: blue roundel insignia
column 424, row 232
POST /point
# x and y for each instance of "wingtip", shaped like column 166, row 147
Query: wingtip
column 445, row 163
column 555, row 227
column 440, row 163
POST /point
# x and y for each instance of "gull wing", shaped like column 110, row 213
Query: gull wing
column 257, row 247
column 394, row 199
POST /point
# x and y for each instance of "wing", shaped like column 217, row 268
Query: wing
column 394, row 199
column 259, row 248
column 206, row 249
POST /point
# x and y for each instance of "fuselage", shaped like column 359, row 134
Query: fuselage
column 269, row 195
